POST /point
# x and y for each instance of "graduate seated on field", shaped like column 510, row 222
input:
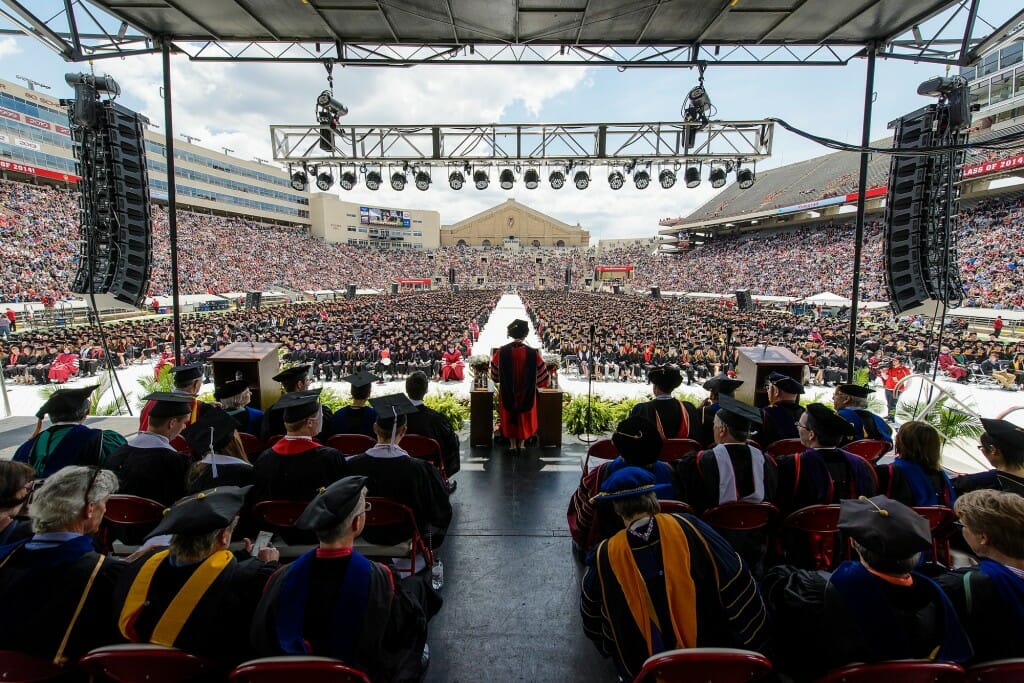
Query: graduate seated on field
column 333, row 602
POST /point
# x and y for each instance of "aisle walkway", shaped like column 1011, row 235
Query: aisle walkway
column 495, row 332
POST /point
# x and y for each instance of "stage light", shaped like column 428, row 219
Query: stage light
column 480, row 179
column 373, row 180
column 300, row 181
column 348, row 180
column 615, row 180
column 556, row 180
column 398, row 181
column 581, row 180
column 692, row 177
column 745, row 178
column 422, row 180
column 717, row 177
column 324, row 181
column 507, row 179
column 531, row 179
column 642, row 179
column 667, row 178
column 327, row 101
column 456, row 180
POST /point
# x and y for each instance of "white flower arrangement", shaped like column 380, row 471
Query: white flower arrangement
column 552, row 360
column 479, row 361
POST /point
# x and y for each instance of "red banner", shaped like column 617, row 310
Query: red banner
column 40, row 172
column 878, row 191
column 425, row 281
column 614, row 269
column 38, row 123
column 62, row 130
column 993, row 166
column 8, row 114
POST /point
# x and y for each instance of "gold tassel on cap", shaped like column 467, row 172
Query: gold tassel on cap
column 883, row 513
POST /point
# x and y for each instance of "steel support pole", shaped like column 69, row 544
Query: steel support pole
column 172, row 204
column 858, row 247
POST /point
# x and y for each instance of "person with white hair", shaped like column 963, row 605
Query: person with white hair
column 55, row 588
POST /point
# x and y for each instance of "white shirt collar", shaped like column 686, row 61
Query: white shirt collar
column 150, row 440
column 383, row 450
column 415, row 402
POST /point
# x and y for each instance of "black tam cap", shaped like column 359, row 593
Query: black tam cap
column 638, row 441
column 665, row 376
column 390, row 407
column 737, row 414
column 723, row 385
column 1006, row 435
column 198, row 433
column 785, row 383
column 855, row 390
column 332, row 505
column 169, row 404
column 361, row 378
column 292, row 374
column 203, row 512
column 184, row 374
column 518, row 329
column 65, row 401
column 822, row 420
column 299, row 405
column 229, row 389
column 884, row 526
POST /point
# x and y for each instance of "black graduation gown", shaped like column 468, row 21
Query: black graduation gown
column 430, row 423
column 994, row 631
column 296, row 470
column 702, row 424
column 154, row 473
column 670, row 411
column 807, row 480
column 993, row 479
column 218, row 627
column 227, row 475
column 699, row 475
column 779, row 422
column 394, row 626
column 409, row 481
column 39, row 599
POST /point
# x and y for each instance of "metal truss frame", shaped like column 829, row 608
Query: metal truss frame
column 601, row 144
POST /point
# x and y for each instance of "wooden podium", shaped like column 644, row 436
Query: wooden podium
column 481, row 418
column 757, row 362
column 257, row 363
column 549, row 418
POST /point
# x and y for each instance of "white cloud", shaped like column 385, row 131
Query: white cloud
column 8, row 46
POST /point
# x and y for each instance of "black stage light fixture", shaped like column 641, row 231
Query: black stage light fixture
column 480, row 179
column 507, row 179
column 531, row 179
column 642, row 180
column 745, row 178
column 557, row 180
column 717, row 177
column 398, row 181
column 615, row 180
column 667, row 178
column 300, row 181
column 581, row 180
column 692, row 177
column 373, row 180
column 348, row 180
column 422, row 180
column 456, row 180
column 324, row 181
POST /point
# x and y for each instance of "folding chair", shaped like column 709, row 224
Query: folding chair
column 999, row 671
column 675, row 449
column 384, row 513
column 904, row 671
column 425, row 448
column 718, row 664
column 351, row 444
column 602, row 449
column 279, row 516
column 128, row 519
column 674, row 507
column 781, row 447
column 816, row 529
column 18, row 666
column 869, row 449
column 740, row 516
column 137, row 663
column 940, row 519
column 252, row 444
column 296, row 668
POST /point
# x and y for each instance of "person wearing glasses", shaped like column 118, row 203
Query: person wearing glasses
column 851, row 403
column 780, row 417
column 333, row 602
column 16, row 482
column 54, row 586
column 1002, row 444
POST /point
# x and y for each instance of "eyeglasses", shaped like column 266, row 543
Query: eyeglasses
column 94, row 472
column 803, row 427
column 959, row 525
column 367, row 507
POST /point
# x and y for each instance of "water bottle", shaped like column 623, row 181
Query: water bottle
column 437, row 575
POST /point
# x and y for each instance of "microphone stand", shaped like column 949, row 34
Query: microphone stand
column 590, row 391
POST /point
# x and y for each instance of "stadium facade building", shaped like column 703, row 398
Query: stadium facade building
column 512, row 225
column 336, row 221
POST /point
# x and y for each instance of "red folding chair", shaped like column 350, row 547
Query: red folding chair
column 138, row 663
column 999, row 671
column 603, row 449
column 675, row 449
column 23, row 668
column 904, row 671
column 385, row 512
column 296, row 668
column 940, row 519
column 718, row 664
column 816, row 529
column 869, row 449
column 424, row 448
column 351, row 444
column 130, row 517
column 252, row 444
column 675, row 507
column 274, row 438
column 781, row 447
column 741, row 516
column 278, row 515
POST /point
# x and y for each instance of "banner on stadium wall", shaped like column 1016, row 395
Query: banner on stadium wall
column 4, row 140
column 993, row 166
column 41, row 172
column 27, row 144
column 614, row 269
column 8, row 114
column 33, row 121
column 872, row 192
column 424, row 281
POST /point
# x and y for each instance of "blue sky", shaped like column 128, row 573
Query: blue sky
column 232, row 105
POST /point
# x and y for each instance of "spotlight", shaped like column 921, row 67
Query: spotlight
column 456, row 180
column 397, row 181
column 480, row 179
column 373, row 180
column 348, row 180
column 422, row 180
column 717, row 177
column 615, row 180
column 507, row 179
column 324, row 181
column 581, row 180
column 692, row 177
column 327, row 101
column 698, row 105
column 642, row 179
column 531, row 179
column 557, row 180
column 300, row 181
column 745, row 178
column 667, row 178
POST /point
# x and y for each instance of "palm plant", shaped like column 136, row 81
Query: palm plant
column 950, row 422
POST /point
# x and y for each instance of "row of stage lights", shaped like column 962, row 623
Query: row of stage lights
column 531, row 178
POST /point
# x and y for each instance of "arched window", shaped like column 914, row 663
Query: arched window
column 560, row 243
column 486, row 243
column 536, row 243
column 461, row 243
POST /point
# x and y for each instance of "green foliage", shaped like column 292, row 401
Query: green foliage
column 107, row 409
column 455, row 411
column 575, row 416
column 861, row 376
column 334, row 399
column 620, row 409
column 688, row 397
column 164, row 382
column 206, row 397
column 950, row 423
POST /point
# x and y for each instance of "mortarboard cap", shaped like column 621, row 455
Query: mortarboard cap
column 822, row 420
column 184, row 374
column 391, row 406
column 292, row 374
column 203, row 512
column 638, row 441
column 518, row 329
column 736, row 414
column 665, row 376
column 1007, row 436
column 198, row 433
column 885, row 526
column 722, row 385
column 628, row 482
column 299, row 405
column 169, row 404
column 65, row 401
column 361, row 378
column 332, row 505
column 855, row 390
column 229, row 389
column 785, row 383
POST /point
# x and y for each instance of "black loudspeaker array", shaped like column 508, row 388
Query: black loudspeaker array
column 253, row 300
column 744, row 302
column 351, row 291
column 655, row 292
column 115, row 220
column 394, row 288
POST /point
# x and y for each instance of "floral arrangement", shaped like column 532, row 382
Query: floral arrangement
column 551, row 360
column 479, row 362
